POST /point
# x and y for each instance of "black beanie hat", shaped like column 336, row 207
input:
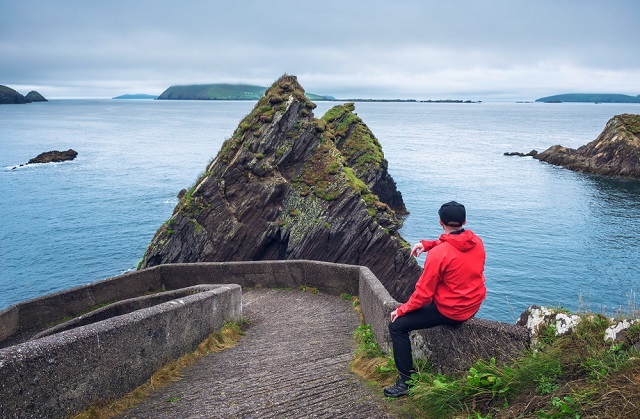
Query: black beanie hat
column 452, row 214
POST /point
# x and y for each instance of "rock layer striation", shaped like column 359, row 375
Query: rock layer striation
column 615, row 152
column 289, row 186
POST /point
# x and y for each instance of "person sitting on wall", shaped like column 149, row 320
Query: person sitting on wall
column 449, row 291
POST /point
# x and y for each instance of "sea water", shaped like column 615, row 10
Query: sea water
column 553, row 237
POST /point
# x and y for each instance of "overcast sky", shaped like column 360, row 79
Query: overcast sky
column 418, row 49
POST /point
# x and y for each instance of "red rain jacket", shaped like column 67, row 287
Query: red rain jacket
column 453, row 276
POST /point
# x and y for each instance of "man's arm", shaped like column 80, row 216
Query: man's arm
column 425, row 287
column 423, row 246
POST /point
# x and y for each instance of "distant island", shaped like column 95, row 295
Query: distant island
column 222, row 91
column 406, row 100
column 590, row 98
column 136, row 96
column 10, row 96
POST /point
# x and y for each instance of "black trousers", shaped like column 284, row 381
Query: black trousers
column 423, row 318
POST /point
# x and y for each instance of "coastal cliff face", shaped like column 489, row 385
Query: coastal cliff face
column 289, row 186
column 616, row 151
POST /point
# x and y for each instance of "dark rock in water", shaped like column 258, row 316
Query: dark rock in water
column 289, row 186
column 34, row 96
column 54, row 156
column 616, row 151
column 10, row 96
column 532, row 153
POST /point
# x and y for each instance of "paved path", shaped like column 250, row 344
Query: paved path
column 292, row 362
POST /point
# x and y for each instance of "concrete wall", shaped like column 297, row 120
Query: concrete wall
column 102, row 357
column 450, row 350
column 376, row 304
column 36, row 314
column 453, row 350
column 30, row 317
column 61, row 374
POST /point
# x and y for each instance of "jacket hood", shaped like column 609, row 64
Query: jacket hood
column 464, row 241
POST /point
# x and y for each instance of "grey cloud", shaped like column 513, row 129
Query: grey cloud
column 359, row 48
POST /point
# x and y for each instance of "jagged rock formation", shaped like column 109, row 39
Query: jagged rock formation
column 10, row 96
column 289, row 186
column 34, row 96
column 616, row 151
column 54, row 156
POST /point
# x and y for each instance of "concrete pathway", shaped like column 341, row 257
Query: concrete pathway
column 292, row 362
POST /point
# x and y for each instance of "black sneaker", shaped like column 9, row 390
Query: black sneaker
column 398, row 390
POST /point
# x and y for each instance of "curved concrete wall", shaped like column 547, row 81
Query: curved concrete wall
column 61, row 374
column 100, row 359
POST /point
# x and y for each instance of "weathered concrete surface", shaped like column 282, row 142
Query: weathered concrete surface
column 292, row 362
column 449, row 350
column 21, row 321
column 58, row 375
column 32, row 316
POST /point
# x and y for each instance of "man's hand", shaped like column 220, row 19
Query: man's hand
column 394, row 315
column 417, row 249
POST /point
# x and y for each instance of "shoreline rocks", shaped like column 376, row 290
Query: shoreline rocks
column 532, row 153
column 615, row 152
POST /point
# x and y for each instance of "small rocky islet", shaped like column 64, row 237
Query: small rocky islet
column 615, row 152
column 53, row 156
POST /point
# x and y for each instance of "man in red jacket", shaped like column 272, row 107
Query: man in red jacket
column 449, row 291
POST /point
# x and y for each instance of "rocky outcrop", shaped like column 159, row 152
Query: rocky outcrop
column 616, row 151
column 289, row 186
column 560, row 322
column 10, row 96
column 34, row 96
column 532, row 153
column 363, row 154
column 54, row 156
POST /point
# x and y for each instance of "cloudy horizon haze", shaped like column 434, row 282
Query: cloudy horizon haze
column 405, row 49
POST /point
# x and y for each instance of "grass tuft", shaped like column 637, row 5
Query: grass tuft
column 572, row 376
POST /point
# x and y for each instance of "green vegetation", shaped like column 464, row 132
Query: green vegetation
column 311, row 290
column 631, row 123
column 321, row 175
column 361, row 149
column 591, row 97
column 572, row 376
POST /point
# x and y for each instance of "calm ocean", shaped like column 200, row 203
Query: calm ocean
column 553, row 237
